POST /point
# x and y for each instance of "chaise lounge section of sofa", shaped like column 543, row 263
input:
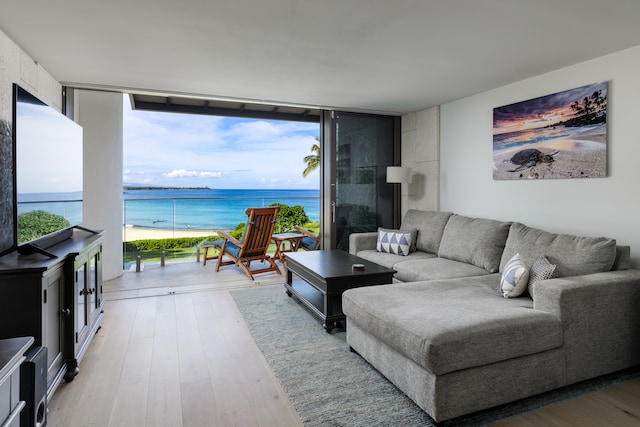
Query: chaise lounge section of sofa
column 446, row 336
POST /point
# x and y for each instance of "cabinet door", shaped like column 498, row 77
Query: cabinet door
column 94, row 285
column 87, row 300
column 55, row 316
column 81, row 300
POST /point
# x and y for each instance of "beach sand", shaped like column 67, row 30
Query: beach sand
column 139, row 233
column 580, row 156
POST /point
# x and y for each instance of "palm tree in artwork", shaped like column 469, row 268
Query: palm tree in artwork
column 591, row 110
column 312, row 160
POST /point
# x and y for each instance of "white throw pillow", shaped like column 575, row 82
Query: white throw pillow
column 515, row 278
column 394, row 241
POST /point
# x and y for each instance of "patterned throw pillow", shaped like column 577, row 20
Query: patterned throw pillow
column 541, row 269
column 515, row 278
column 394, row 241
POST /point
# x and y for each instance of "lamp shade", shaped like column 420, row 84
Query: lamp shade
column 398, row 175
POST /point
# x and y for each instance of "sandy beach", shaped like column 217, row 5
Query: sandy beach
column 138, row 233
column 580, row 156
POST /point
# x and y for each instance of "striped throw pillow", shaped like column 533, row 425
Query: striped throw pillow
column 515, row 278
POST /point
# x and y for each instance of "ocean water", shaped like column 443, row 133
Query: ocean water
column 538, row 135
column 206, row 209
column 68, row 205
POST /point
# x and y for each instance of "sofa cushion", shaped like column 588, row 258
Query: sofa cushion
column 399, row 242
column 623, row 258
column 415, row 270
column 430, row 225
column 449, row 325
column 389, row 260
column 475, row 241
column 515, row 278
column 572, row 255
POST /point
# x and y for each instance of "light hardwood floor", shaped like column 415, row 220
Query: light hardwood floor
column 174, row 351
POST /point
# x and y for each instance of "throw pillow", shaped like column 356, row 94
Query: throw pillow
column 541, row 269
column 515, row 278
column 412, row 231
column 395, row 241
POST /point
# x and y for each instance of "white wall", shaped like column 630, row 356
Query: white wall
column 591, row 207
column 420, row 152
column 17, row 67
column 100, row 115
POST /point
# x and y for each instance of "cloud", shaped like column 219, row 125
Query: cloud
column 132, row 172
column 213, row 174
column 130, row 176
column 181, row 173
column 231, row 152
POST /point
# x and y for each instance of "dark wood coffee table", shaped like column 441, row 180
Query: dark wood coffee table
column 324, row 276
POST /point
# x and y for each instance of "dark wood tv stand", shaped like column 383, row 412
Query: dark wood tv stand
column 56, row 300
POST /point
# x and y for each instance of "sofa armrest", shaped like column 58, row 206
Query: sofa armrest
column 600, row 315
column 361, row 241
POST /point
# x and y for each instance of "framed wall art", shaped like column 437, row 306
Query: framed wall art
column 563, row 135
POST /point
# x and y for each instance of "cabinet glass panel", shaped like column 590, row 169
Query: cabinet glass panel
column 55, row 317
column 93, row 283
column 81, row 310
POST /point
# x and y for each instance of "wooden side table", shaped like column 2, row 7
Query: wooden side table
column 208, row 246
column 280, row 241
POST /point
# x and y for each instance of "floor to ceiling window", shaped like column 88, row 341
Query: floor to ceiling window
column 187, row 175
column 359, row 199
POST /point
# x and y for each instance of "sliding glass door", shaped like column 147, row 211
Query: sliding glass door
column 358, row 149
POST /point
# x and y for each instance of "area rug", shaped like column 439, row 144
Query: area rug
column 330, row 386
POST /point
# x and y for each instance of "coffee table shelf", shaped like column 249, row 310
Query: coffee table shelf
column 324, row 275
column 311, row 297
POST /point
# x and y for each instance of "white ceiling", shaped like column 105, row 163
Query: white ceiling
column 373, row 55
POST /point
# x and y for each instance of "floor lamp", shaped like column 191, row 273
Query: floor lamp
column 398, row 175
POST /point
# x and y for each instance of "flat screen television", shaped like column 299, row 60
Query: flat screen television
column 48, row 173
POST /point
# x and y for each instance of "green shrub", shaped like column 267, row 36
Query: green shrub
column 313, row 226
column 238, row 231
column 34, row 224
column 166, row 244
column 289, row 216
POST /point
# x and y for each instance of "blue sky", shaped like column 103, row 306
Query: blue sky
column 42, row 170
column 180, row 150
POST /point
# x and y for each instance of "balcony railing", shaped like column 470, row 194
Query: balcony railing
column 194, row 219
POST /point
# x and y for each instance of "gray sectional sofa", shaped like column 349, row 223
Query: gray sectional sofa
column 448, row 338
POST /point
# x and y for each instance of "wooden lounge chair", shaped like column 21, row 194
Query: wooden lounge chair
column 253, row 244
column 310, row 242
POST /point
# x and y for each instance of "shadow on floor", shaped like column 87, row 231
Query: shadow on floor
column 181, row 277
